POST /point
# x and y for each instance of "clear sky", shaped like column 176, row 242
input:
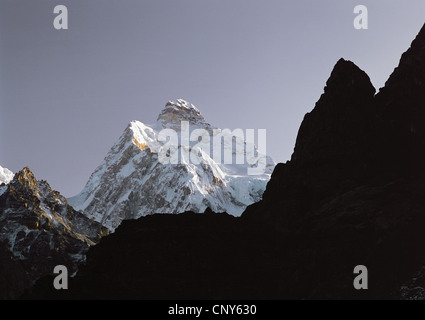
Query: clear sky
column 67, row 95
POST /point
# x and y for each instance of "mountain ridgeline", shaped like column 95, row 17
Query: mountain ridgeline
column 39, row 230
column 352, row 194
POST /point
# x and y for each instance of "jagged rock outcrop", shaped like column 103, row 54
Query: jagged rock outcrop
column 338, row 126
column 334, row 149
column 39, row 230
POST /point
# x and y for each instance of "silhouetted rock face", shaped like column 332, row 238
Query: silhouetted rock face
column 13, row 277
column 401, row 106
column 407, row 82
column 352, row 194
column 334, row 150
column 354, row 188
column 337, row 127
column 169, row 256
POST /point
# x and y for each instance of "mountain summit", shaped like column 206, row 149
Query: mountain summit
column 337, row 126
column 181, row 110
column 132, row 181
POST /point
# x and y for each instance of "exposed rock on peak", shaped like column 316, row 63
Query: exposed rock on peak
column 25, row 181
column 181, row 110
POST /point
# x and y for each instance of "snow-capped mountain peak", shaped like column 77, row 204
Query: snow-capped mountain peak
column 134, row 181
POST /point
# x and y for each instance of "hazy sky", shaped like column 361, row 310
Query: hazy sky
column 67, row 95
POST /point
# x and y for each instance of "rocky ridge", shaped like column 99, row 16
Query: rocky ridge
column 39, row 230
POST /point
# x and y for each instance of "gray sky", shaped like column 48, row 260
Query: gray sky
column 67, row 95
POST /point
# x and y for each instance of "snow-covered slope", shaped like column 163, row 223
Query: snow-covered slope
column 134, row 180
column 5, row 175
